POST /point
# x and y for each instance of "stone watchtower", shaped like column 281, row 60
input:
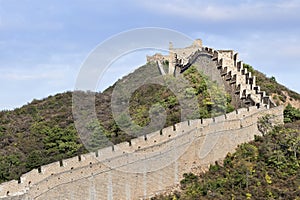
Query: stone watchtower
column 197, row 43
column 182, row 55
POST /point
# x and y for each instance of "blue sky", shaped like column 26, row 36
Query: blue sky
column 44, row 42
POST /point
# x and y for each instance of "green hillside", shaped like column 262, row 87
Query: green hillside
column 270, row 85
column 43, row 131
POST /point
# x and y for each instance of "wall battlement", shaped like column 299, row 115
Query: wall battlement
column 228, row 64
column 122, row 157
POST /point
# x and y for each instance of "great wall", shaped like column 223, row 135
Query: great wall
column 150, row 164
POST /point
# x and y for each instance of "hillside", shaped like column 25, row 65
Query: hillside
column 266, row 168
column 43, row 131
column 280, row 94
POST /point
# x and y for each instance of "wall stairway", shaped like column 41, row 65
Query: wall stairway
column 237, row 77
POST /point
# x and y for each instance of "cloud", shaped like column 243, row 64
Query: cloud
column 39, row 73
column 63, row 67
column 22, row 84
column 23, row 75
column 220, row 11
column 18, row 16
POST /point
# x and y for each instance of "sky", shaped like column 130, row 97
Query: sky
column 43, row 43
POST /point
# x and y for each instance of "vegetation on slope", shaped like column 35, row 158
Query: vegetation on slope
column 212, row 101
column 291, row 114
column 38, row 133
column 266, row 168
column 271, row 86
column 43, row 131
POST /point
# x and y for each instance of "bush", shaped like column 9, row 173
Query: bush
column 248, row 67
column 189, row 178
column 291, row 114
column 270, row 85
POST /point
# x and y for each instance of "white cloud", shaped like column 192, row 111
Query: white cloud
column 33, row 75
column 218, row 11
column 291, row 4
column 22, row 84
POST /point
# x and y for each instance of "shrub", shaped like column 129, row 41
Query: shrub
column 291, row 114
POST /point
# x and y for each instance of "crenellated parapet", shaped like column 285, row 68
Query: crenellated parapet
column 157, row 57
column 181, row 56
column 230, row 68
column 239, row 78
column 128, row 159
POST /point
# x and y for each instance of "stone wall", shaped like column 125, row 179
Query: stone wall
column 229, row 67
column 144, row 167
column 157, row 57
